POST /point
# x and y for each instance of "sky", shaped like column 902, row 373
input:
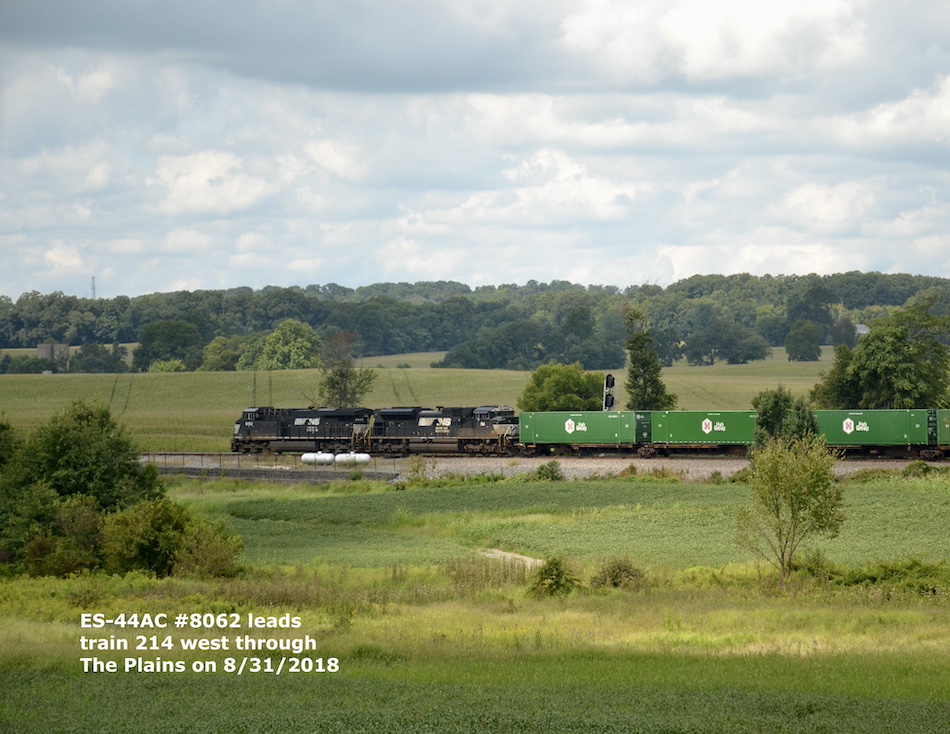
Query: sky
column 168, row 145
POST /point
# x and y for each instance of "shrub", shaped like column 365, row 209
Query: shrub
column 208, row 549
column 554, row 578
column 69, row 543
column 550, row 471
column 619, row 573
column 147, row 536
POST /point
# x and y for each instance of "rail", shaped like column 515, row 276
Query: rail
column 223, row 462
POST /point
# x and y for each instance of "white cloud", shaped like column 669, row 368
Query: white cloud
column 702, row 41
column 63, row 257
column 189, row 241
column 824, row 209
column 211, row 182
column 340, row 158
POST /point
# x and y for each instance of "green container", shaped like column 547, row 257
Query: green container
column 874, row 427
column 581, row 428
column 699, row 428
column 645, row 427
column 943, row 427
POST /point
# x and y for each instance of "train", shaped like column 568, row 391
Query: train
column 497, row 431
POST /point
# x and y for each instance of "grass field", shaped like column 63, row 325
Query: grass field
column 196, row 411
column 432, row 636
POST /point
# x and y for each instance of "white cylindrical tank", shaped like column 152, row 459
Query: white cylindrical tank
column 318, row 458
column 352, row 458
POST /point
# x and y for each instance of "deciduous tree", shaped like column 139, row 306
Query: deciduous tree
column 562, row 387
column 291, row 346
column 803, row 342
column 794, row 499
column 901, row 363
column 343, row 384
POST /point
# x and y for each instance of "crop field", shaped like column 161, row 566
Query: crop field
column 196, row 411
column 429, row 633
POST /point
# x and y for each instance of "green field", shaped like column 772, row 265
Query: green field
column 196, row 411
column 431, row 635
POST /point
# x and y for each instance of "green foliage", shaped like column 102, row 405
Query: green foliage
column 208, row 549
column 843, row 332
column 9, row 441
column 838, row 388
column 794, row 499
column 912, row 575
column 26, row 365
column 291, row 346
column 779, row 415
column 619, row 573
column 82, row 451
column 803, row 343
column 165, row 340
column 342, row 384
column 99, row 359
column 562, row 387
column 74, row 496
column 167, row 365
column 901, row 363
column 554, row 578
column 146, row 536
column 69, row 542
column 645, row 388
column 812, row 303
column 550, row 471
column 716, row 337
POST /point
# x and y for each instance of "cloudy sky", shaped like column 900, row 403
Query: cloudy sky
column 182, row 144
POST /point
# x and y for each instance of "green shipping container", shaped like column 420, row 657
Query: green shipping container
column 874, row 427
column 699, row 428
column 581, row 428
column 943, row 427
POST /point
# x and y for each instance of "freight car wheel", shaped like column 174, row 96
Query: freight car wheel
column 931, row 454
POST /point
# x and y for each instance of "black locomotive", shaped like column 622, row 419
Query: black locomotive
column 387, row 431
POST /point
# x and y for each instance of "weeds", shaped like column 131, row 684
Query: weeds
column 549, row 471
column 555, row 578
column 619, row 573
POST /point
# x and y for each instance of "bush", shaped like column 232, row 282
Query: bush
column 208, row 549
column 69, row 543
column 550, row 472
column 619, row 573
column 147, row 536
column 906, row 576
column 554, row 578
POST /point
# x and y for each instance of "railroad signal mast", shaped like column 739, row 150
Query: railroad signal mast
column 609, row 392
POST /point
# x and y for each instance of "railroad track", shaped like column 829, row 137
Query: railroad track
column 289, row 467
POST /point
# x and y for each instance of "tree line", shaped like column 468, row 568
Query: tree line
column 702, row 320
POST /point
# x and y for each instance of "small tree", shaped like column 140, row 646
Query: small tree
column 645, row 387
column 562, row 387
column 794, row 499
column 780, row 415
column 343, row 384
